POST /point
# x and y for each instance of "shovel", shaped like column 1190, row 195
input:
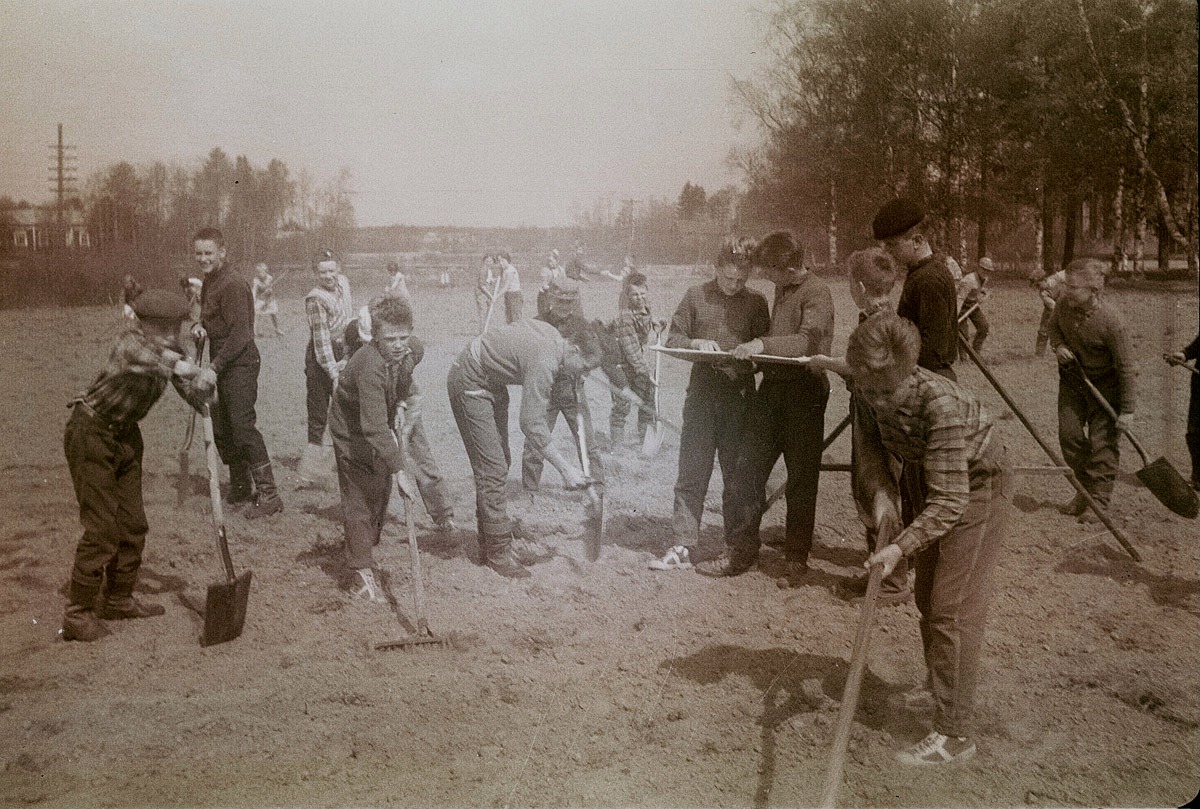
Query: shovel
column 596, row 524
column 184, row 485
column 652, row 441
column 225, row 606
column 1162, row 479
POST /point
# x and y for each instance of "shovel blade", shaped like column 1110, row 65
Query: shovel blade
column 1165, row 483
column 652, row 441
column 225, row 610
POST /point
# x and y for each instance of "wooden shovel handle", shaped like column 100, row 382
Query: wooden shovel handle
column 1112, row 414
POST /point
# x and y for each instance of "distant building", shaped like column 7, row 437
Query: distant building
column 34, row 228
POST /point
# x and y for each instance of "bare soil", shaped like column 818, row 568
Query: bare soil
column 589, row 684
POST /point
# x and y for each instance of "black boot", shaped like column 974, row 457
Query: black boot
column 267, row 501
column 497, row 553
column 241, row 489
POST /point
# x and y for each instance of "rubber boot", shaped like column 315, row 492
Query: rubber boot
column 497, row 553
column 80, row 623
column 268, row 501
column 241, row 488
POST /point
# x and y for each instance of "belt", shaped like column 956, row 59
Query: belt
column 116, row 426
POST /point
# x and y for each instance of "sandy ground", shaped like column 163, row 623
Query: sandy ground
column 589, row 684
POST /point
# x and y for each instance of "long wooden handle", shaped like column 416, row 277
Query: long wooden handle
column 1112, row 414
column 845, row 719
column 414, row 552
column 214, row 494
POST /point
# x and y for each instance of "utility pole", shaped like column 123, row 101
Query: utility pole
column 63, row 185
column 631, row 206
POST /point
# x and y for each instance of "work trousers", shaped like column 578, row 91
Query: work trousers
column 1193, row 428
column 1088, row 437
column 713, row 414
column 644, row 388
column 977, row 319
column 952, row 591
column 783, row 417
column 563, row 401
column 234, row 420
column 318, row 391
column 434, row 491
column 365, row 492
column 482, row 418
column 105, row 461
column 513, row 304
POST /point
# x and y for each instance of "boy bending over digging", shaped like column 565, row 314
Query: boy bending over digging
column 954, row 540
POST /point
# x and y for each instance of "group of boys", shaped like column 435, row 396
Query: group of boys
column 930, row 474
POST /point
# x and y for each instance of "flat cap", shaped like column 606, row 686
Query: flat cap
column 160, row 304
column 896, row 217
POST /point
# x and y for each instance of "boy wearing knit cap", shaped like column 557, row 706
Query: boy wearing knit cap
column 103, row 446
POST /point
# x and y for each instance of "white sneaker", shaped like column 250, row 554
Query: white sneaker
column 368, row 589
column 937, row 749
column 676, row 558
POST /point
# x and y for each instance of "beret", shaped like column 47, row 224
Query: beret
column 160, row 304
column 896, row 217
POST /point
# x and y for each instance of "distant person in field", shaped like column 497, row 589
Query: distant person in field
column 487, row 287
column 622, row 275
column 548, row 275
column 954, row 541
column 329, row 310
column 1050, row 289
column 576, row 269
column 510, row 286
column 1088, row 337
column 1192, row 436
column 227, row 320
column 785, row 416
column 635, row 329
column 715, row 316
column 532, row 354
column 973, row 287
column 433, row 488
column 375, row 385
column 397, row 284
column 103, row 446
column 265, row 305
column 874, row 478
column 130, row 289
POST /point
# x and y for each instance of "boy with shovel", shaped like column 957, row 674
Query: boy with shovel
column 954, row 541
column 103, row 446
column 1088, row 337
column 634, row 327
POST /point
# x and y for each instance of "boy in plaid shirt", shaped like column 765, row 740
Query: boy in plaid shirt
column 633, row 327
column 103, row 446
column 953, row 542
column 329, row 310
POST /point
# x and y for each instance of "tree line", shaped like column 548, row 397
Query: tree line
column 1041, row 128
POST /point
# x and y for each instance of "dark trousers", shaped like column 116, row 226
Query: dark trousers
column 977, row 319
column 644, row 388
column 105, row 462
column 1193, row 428
column 1087, row 436
column 785, row 417
column 234, row 420
column 952, row 591
column 482, row 418
column 563, row 401
column 713, row 414
column 513, row 303
column 365, row 493
column 318, row 391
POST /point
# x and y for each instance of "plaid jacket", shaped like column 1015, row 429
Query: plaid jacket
column 134, row 378
column 328, row 314
column 633, row 331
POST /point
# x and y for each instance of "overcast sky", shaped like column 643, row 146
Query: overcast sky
column 467, row 113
